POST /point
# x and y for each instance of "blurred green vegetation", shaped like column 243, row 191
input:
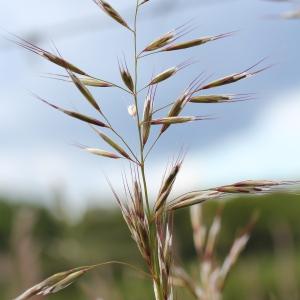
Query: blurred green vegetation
column 36, row 242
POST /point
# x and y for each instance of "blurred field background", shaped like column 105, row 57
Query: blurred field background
column 56, row 211
column 37, row 242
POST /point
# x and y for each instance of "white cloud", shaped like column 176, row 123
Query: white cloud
column 269, row 148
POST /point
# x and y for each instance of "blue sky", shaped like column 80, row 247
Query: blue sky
column 255, row 139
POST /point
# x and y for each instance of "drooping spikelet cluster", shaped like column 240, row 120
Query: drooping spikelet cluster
column 134, row 215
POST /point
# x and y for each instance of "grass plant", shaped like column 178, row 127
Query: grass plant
column 151, row 224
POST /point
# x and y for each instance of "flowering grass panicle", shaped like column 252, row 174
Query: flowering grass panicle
column 151, row 224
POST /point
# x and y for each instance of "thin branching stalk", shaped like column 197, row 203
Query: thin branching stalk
column 151, row 226
column 135, row 96
column 152, row 237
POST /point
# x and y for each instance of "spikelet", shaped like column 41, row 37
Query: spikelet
column 57, row 60
column 210, row 99
column 243, row 187
column 100, row 152
column 174, row 111
column 180, row 103
column 147, row 118
column 164, row 75
column 109, row 10
column 166, row 188
column 90, row 81
column 169, row 73
column 113, row 144
column 86, row 80
column 84, row 91
column 195, row 42
column 55, row 283
column 147, row 114
column 160, row 42
column 254, row 186
column 178, row 120
column 126, row 77
column 167, row 38
column 134, row 216
column 165, row 258
column 76, row 115
column 193, row 198
column 234, row 77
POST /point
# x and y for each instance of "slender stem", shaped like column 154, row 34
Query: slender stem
column 141, row 55
column 152, row 146
column 116, row 262
column 162, row 108
column 113, row 84
column 153, row 236
column 120, row 137
column 135, row 96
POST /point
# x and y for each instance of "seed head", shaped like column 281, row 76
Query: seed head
column 89, row 81
column 76, row 115
column 58, row 60
column 147, row 117
column 86, row 80
column 166, row 188
column 253, row 186
column 207, row 99
column 195, row 42
column 54, row 283
column 174, row 111
column 211, row 99
column 177, row 120
column 126, row 77
column 113, row 144
column 193, row 198
column 180, row 103
column 163, row 75
column 101, row 152
column 166, row 39
column 109, row 10
column 169, row 72
column 147, row 114
column 84, row 91
column 234, row 77
column 160, row 42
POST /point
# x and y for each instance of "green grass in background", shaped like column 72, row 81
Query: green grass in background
column 266, row 270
